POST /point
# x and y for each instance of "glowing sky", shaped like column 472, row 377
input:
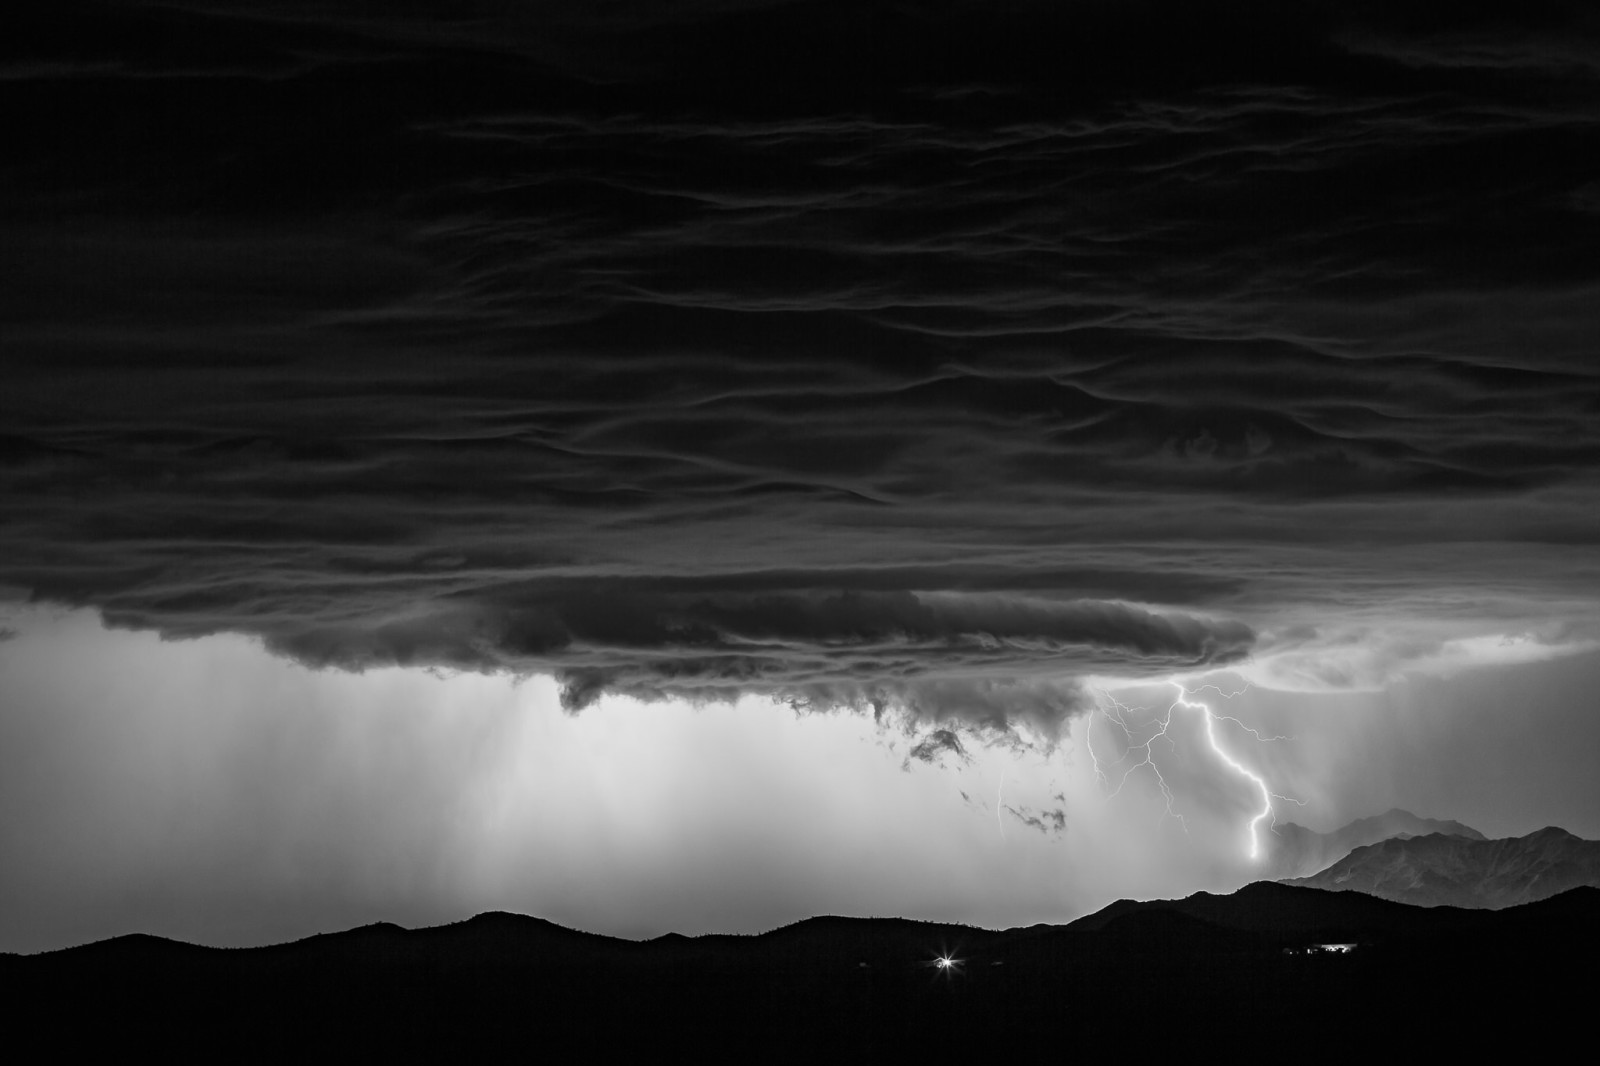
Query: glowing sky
column 207, row 790
column 819, row 411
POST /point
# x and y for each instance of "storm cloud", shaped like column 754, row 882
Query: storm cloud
column 935, row 744
column 620, row 345
column 1049, row 820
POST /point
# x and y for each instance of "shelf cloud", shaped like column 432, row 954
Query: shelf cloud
column 614, row 344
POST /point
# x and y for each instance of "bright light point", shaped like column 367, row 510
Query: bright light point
column 945, row 962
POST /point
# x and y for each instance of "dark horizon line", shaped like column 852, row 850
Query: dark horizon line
column 1086, row 920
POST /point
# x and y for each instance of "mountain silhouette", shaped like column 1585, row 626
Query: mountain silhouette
column 1295, row 851
column 1440, row 870
column 1163, row 976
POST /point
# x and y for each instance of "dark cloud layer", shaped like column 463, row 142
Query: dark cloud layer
column 866, row 349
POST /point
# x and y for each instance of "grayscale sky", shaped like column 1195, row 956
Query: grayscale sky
column 696, row 466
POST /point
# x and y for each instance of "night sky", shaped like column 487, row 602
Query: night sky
column 694, row 466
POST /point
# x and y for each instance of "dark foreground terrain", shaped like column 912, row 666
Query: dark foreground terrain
column 1226, row 975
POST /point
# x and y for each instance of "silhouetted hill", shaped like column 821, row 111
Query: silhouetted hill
column 1286, row 914
column 1295, row 851
column 1161, row 976
column 1439, row 870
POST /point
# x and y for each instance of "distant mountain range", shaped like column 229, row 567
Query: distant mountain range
column 1164, row 976
column 1459, row 871
column 1295, row 851
column 1261, row 965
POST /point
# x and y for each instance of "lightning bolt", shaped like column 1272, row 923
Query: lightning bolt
column 1235, row 765
column 1229, row 718
column 1000, row 804
column 1115, row 711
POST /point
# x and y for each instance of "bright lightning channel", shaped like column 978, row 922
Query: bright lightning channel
column 1238, row 767
column 1000, row 804
column 1113, row 710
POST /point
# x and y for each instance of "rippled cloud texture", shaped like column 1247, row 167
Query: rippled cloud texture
column 860, row 354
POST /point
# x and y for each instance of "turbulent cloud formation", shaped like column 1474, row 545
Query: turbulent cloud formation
column 1049, row 820
column 643, row 644
column 1027, row 343
column 936, row 744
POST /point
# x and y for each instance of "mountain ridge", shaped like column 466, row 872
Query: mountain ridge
column 1443, row 870
column 1274, row 907
column 1296, row 851
column 1208, row 966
